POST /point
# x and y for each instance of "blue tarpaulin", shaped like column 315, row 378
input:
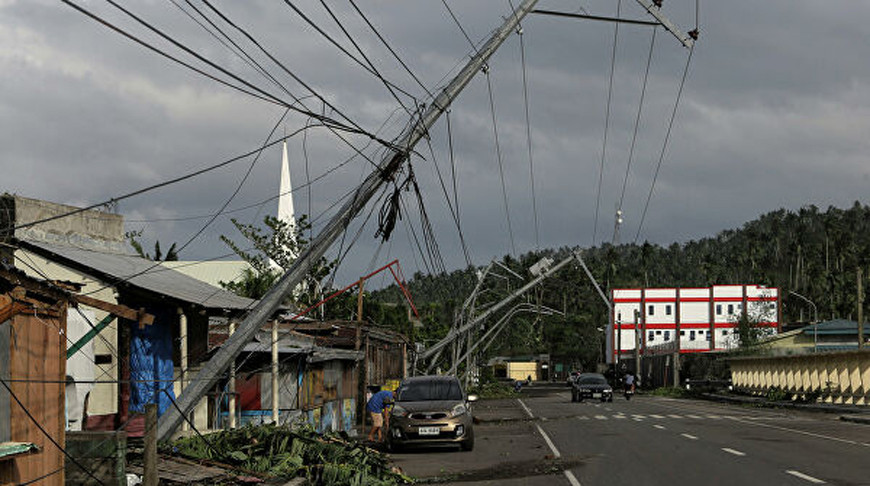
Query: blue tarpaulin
column 151, row 369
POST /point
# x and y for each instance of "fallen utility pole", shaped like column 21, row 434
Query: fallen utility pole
column 214, row 368
column 454, row 333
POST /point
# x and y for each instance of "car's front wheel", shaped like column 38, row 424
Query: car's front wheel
column 468, row 444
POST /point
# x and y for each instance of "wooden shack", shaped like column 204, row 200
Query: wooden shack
column 32, row 376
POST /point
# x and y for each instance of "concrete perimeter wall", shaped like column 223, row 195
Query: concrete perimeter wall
column 837, row 377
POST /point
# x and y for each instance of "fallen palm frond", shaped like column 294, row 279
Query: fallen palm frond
column 291, row 452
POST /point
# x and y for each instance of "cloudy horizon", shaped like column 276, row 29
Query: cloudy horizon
column 774, row 114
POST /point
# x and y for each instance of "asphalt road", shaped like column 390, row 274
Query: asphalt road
column 650, row 441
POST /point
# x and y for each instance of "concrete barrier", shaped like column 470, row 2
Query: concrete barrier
column 841, row 377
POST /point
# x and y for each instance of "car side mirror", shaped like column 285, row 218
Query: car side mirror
column 472, row 398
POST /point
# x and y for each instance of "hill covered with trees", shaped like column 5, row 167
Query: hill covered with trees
column 812, row 252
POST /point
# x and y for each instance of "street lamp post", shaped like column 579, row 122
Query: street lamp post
column 815, row 319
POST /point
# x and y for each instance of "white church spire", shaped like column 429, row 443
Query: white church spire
column 285, row 195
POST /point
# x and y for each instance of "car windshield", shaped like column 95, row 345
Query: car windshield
column 592, row 380
column 419, row 391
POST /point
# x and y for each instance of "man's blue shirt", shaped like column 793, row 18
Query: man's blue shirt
column 376, row 403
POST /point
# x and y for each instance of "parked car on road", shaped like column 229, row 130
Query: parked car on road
column 593, row 386
column 431, row 410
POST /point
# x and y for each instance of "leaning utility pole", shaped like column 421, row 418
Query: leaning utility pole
column 456, row 333
column 215, row 367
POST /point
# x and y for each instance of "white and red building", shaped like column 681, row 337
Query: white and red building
column 692, row 319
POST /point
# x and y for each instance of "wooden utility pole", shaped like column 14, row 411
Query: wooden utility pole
column 213, row 370
column 150, row 454
column 359, row 313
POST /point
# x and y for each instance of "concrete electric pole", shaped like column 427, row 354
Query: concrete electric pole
column 214, row 368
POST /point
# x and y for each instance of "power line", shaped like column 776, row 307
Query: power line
column 155, row 186
column 529, row 138
column 340, row 47
column 252, row 91
column 665, row 143
column 459, row 24
column 306, row 86
column 634, row 135
column 606, row 123
column 46, row 434
column 213, row 218
column 500, row 163
column 454, row 211
column 389, row 48
column 308, row 184
column 368, row 61
column 239, row 51
column 228, row 43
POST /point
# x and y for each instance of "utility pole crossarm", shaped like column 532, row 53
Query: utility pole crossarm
column 685, row 39
column 214, row 368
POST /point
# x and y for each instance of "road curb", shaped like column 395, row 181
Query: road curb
column 808, row 407
column 858, row 419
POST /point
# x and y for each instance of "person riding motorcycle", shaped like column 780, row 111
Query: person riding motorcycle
column 628, row 382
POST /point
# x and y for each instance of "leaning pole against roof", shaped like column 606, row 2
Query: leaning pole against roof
column 215, row 367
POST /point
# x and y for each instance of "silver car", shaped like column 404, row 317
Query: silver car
column 431, row 410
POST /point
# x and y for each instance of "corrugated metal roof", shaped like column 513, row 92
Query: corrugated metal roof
column 835, row 326
column 116, row 267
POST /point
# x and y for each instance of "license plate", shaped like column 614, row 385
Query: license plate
column 429, row 431
column 596, row 395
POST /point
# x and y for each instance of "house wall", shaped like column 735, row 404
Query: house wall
column 103, row 397
column 328, row 395
column 521, row 371
column 36, row 350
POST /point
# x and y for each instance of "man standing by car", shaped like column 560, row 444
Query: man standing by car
column 377, row 407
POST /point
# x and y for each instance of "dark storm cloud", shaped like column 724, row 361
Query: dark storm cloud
column 775, row 113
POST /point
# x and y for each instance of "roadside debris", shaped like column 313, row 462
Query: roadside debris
column 279, row 451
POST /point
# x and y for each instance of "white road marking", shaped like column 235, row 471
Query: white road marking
column 674, row 416
column 638, row 416
column 619, row 416
column 693, row 416
column 568, row 474
column 733, row 451
column 637, row 419
column 601, row 417
column 803, row 432
column 662, row 416
column 689, row 436
column 805, row 477
column 571, row 478
column 610, row 409
column 582, row 417
column 714, row 417
column 549, row 442
column 531, row 415
column 661, row 427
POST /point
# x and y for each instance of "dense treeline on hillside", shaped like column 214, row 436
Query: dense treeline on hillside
column 811, row 252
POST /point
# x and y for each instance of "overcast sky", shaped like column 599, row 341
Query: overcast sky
column 775, row 113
